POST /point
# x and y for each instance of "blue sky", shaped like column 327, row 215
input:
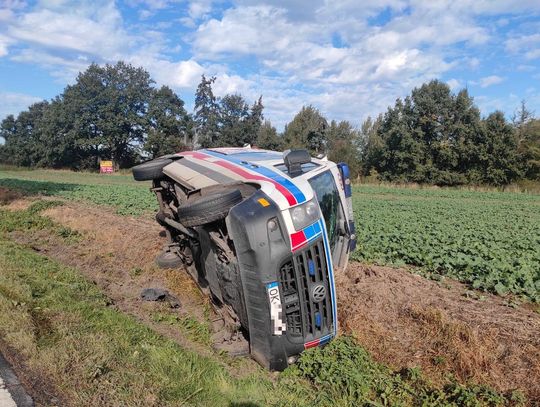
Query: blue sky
column 348, row 58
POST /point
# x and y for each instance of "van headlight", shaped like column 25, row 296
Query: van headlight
column 305, row 214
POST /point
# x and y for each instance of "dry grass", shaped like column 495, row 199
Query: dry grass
column 405, row 321
column 94, row 349
column 75, row 350
column 522, row 186
column 454, row 345
column 8, row 195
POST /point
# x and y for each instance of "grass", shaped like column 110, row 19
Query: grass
column 71, row 177
column 344, row 374
column 117, row 191
column 195, row 330
column 89, row 353
column 62, row 326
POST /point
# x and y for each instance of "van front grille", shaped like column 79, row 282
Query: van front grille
column 307, row 293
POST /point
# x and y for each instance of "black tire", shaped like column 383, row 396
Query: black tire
column 160, row 218
column 208, row 208
column 169, row 260
column 150, row 170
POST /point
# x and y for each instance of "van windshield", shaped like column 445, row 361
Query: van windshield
column 328, row 197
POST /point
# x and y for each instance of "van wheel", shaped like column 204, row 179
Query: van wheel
column 208, row 208
column 169, row 260
column 150, row 170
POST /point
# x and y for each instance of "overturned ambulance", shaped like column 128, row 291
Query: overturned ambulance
column 262, row 233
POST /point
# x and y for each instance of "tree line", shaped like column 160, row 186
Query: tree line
column 116, row 111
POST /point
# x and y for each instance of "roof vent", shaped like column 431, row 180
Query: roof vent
column 294, row 159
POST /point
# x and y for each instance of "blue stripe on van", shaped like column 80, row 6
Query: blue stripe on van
column 266, row 172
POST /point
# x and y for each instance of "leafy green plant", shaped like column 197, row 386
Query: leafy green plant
column 489, row 240
column 342, row 373
column 126, row 199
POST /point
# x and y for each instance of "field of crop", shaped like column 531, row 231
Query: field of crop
column 490, row 240
column 119, row 191
column 487, row 239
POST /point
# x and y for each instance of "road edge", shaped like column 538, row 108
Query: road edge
column 13, row 385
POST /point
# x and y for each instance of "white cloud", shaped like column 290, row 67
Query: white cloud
column 455, row 84
column 526, row 68
column 13, row 103
column 239, row 32
column 4, row 42
column 383, row 62
column 528, row 45
column 488, row 104
column 93, row 32
column 198, row 9
column 348, row 58
column 226, row 84
column 65, row 40
column 490, row 80
column 184, row 74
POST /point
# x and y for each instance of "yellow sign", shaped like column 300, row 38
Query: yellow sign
column 106, row 167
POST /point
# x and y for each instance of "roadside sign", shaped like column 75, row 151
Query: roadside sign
column 106, row 167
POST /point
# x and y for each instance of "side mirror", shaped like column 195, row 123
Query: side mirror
column 294, row 159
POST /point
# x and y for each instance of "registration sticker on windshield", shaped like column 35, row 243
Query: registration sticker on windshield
column 276, row 308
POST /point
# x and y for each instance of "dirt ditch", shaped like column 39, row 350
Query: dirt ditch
column 117, row 253
column 403, row 319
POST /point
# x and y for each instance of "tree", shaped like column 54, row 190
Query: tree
column 371, row 144
column 521, row 117
column 111, row 105
column 527, row 129
column 307, row 130
column 233, row 113
column 8, row 129
column 61, row 143
column 343, row 145
column 499, row 157
column 430, row 137
column 23, row 136
column 529, row 149
column 111, row 111
column 206, row 114
column 401, row 156
column 238, row 124
column 268, row 138
column 254, row 122
column 170, row 126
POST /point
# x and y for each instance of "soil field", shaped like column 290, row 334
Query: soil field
column 404, row 319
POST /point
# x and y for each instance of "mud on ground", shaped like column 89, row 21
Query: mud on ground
column 405, row 320
column 11, row 199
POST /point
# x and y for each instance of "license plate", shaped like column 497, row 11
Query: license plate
column 276, row 308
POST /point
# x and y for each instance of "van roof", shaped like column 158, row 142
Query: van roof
column 248, row 154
